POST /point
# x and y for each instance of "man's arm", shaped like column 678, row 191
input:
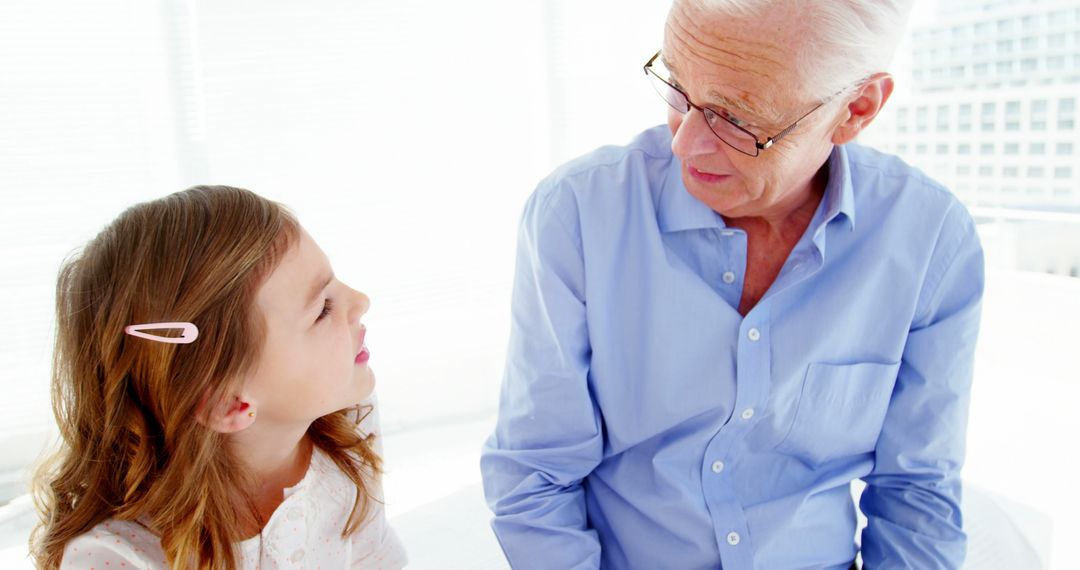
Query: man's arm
column 549, row 435
column 912, row 498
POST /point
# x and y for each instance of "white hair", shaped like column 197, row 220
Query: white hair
column 848, row 40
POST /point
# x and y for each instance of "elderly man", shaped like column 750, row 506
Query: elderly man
column 720, row 326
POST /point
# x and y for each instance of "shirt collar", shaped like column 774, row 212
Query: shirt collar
column 839, row 193
column 679, row 211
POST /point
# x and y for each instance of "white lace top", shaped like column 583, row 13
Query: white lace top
column 304, row 532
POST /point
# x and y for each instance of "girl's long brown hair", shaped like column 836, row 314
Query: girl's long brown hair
column 130, row 447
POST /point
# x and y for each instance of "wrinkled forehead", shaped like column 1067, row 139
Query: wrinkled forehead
column 748, row 62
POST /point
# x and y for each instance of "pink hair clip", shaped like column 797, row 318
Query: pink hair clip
column 189, row 332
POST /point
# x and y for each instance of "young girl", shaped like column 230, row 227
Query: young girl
column 208, row 380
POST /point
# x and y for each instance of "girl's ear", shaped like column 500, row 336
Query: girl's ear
column 228, row 415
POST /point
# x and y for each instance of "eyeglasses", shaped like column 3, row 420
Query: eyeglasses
column 722, row 125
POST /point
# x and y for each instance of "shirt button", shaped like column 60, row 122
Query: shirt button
column 717, row 466
column 728, row 277
column 733, row 538
column 748, row 413
column 753, row 334
column 297, row 556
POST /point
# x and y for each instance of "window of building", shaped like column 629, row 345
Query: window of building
column 983, row 69
column 1029, row 64
column 1037, row 148
column 922, row 118
column 963, row 169
column 942, row 148
column 986, row 149
column 920, row 149
column 1030, row 22
column 1004, row 67
column 943, row 117
column 963, row 120
column 1061, row 172
column 1055, row 41
column 1036, row 172
column 1012, row 148
column 1059, row 18
column 1055, row 62
column 1010, row 172
column 1006, row 26
column 1005, row 46
column 986, row 170
column 1063, row 148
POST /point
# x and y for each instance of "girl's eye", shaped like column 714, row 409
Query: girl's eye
column 327, row 306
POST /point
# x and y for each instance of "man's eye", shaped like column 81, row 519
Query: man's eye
column 327, row 307
column 730, row 118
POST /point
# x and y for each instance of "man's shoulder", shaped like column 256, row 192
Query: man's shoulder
column 638, row 163
column 875, row 171
column 885, row 182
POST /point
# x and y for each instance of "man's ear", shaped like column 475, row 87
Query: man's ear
column 229, row 414
column 861, row 110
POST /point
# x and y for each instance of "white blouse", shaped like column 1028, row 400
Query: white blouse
column 304, row 532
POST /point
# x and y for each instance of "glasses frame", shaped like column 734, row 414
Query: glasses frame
column 758, row 144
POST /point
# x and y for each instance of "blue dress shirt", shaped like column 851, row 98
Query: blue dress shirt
column 645, row 423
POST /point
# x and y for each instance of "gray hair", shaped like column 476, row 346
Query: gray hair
column 848, row 40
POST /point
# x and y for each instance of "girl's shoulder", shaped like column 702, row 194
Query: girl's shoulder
column 114, row 544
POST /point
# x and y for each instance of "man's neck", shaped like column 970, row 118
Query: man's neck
column 787, row 219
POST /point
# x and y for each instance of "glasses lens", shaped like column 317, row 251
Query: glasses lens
column 735, row 137
column 672, row 96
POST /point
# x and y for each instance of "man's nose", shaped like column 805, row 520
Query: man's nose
column 693, row 136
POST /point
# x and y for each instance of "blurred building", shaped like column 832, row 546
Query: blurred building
column 991, row 110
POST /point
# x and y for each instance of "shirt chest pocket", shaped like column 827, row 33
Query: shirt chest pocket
column 840, row 411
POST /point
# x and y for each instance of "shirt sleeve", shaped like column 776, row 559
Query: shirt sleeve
column 376, row 546
column 912, row 498
column 548, row 437
column 100, row 548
